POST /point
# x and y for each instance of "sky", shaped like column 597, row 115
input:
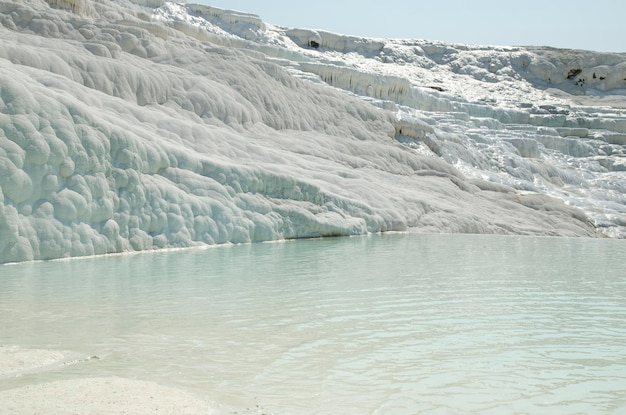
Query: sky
column 593, row 25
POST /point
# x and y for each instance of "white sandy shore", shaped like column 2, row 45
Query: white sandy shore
column 109, row 395
column 99, row 395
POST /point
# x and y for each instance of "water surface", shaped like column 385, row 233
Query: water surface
column 389, row 324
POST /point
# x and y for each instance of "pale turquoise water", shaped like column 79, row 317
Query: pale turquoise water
column 391, row 324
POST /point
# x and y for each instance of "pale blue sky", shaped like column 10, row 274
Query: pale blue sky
column 597, row 25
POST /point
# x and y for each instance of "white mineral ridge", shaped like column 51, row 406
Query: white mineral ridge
column 145, row 124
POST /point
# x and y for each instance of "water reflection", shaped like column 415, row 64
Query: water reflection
column 387, row 324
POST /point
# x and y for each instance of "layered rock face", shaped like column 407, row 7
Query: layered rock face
column 143, row 124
